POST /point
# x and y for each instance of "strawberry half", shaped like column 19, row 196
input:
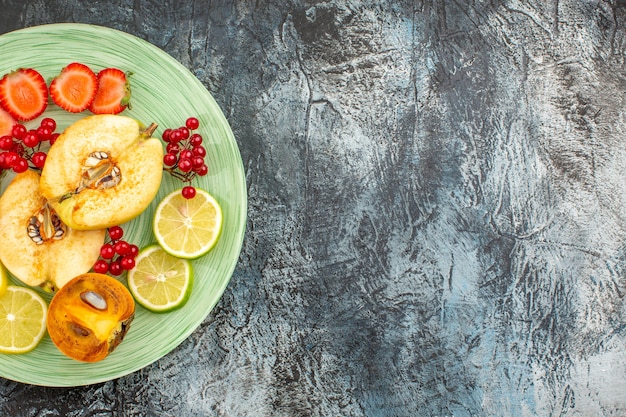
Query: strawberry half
column 74, row 89
column 6, row 123
column 113, row 94
column 24, row 94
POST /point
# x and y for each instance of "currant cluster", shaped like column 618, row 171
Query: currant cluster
column 116, row 255
column 184, row 157
column 23, row 148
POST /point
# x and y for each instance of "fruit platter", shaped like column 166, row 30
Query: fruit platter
column 109, row 167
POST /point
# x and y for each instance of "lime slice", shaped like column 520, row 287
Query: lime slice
column 159, row 281
column 22, row 319
column 187, row 228
column 4, row 280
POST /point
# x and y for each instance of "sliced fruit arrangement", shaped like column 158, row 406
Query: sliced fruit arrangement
column 114, row 92
column 160, row 282
column 89, row 317
column 63, row 207
column 24, row 94
column 23, row 315
column 187, row 227
column 74, row 89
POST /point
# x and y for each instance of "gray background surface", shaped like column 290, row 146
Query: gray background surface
column 436, row 210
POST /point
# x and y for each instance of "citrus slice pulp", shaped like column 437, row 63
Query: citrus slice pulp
column 187, row 228
column 22, row 319
column 159, row 281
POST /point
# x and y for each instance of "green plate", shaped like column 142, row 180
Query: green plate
column 163, row 91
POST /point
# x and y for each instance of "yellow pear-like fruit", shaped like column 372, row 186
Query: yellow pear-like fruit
column 103, row 170
column 35, row 245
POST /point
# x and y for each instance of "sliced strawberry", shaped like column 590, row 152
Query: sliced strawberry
column 74, row 88
column 6, row 123
column 113, row 94
column 24, row 94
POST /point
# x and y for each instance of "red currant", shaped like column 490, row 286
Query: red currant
column 6, row 143
column 121, row 248
column 54, row 137
column 197, row 162
column 186, row 153
column 184, row 132
column 101, row 266
column 202, row 171
column 176, row 136
column 172, row 148
column 188, row 192
column 195, row 139
column 49, row 123
column 38, row 159
column 133, row 251
column 44, row 133
column 18, row 131
column 20, row 165
column 184, row 164
column 31, row 139
column 192, row 123
column 166, row 135
column 115, row 268
column 169, row 159
column 127, row 263
column 116, row 232
column 107, row 251
column 199, row 150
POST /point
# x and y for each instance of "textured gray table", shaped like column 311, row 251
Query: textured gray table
column 437, row 210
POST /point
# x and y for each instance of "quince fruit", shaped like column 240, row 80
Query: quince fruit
column 103, row 170
column 35, row 245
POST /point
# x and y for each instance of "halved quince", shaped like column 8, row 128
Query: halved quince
column 89, row 317
column 35, row 245
column 103, row 170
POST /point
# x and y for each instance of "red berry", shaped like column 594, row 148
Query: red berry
column 10, row 158
column 195, row 140
column 54, row 137
column 169, row 159
column 184, row 164
column 166, row 135
column 115, row 268
column 38, row 159
column 18, row 131
column 31, row 139
column 184, row 132
column 188, row 192
column 101, row 266
column 49, row 123
column 199, row 150
column 6, row 143
column 192, row 123
column 121, row 248
column 197, row 162
column 176, row 136
column 127, row 263
column 186, row 153
column 202, row 171
column 107, row 251
column 133, row 251
column 44, row 133
column 172, row 148
column 116, row 232
column 20, row 165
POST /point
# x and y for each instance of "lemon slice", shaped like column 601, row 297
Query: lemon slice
column 187, row 228
column 22, row 319
column 4, row 280
column 159, row 281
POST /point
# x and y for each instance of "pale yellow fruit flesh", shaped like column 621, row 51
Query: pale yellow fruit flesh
column 52, row 263
column 140, row 160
